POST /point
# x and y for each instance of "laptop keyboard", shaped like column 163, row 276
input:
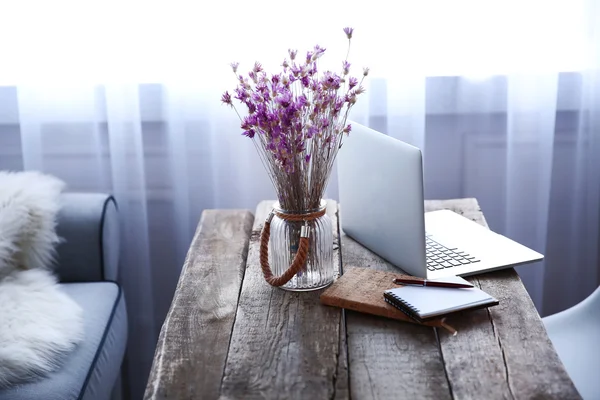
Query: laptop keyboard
column 439, row 256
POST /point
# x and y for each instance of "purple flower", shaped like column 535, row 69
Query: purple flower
column 347, row 129
column 240, row 94
column 307, row 158
column 350, row 98
column 276, row 132
column 251, row 107
column 248, row 122
column 353, row 82
column 292, row 54
column 339, row 103
column 270, row 116
column 234, row 66
column 318, row 52
column 309, row 55
column 346, row 67
column 305, row 80
column 261, row 87
column 312, row 131
column 330, row 81
column 301, row 101
column 257, row 67
column 348, row 31
column 226, row 98
column 266, row 95
column 255, row 97
column 250, row 133
column 285, row 63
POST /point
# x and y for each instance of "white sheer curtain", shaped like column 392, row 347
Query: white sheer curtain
column 504, row 98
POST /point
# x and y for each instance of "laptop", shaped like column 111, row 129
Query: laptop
column 382, row 207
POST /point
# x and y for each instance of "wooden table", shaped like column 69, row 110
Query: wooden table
column 230, row 335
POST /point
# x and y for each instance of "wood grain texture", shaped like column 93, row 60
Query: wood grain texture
column 277, row 344
column 192, row 347
column 284, row 344
column 342, row 383
column 387, row 358
column 507, row 344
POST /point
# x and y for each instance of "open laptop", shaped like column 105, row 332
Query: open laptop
column 381, row 196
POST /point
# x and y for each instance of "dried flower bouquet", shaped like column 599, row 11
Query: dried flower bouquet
column 297, row 121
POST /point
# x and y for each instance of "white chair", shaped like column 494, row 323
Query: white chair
column 575, row 334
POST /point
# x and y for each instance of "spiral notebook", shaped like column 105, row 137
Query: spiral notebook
column 426, row 303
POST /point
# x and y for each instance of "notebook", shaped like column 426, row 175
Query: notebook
column 426, row 303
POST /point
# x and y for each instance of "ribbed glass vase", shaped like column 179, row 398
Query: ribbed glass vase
column 317, row 271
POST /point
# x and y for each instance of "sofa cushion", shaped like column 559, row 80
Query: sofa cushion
column 91, row 370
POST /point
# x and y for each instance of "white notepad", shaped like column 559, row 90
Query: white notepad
column 423, row 303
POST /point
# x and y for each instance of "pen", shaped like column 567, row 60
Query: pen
column 425, row 282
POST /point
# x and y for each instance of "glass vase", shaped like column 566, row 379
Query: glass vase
column 317, row 271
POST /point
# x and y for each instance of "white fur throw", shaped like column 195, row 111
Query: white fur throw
column 39, row 323
column 29, row 203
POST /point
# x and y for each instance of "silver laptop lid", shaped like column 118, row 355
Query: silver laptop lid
column 381, row 197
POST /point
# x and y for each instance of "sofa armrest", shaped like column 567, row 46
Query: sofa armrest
column 88, row 225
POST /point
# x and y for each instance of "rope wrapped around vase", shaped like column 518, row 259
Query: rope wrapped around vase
column 303, row 246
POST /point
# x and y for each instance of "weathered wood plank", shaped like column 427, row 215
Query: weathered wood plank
column 504, row 351
column 532, row 366
column 284, row 344
column 192, row 347
column 342, row 384
column 387, row 358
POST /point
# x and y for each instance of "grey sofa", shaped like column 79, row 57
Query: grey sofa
column 87, row 265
